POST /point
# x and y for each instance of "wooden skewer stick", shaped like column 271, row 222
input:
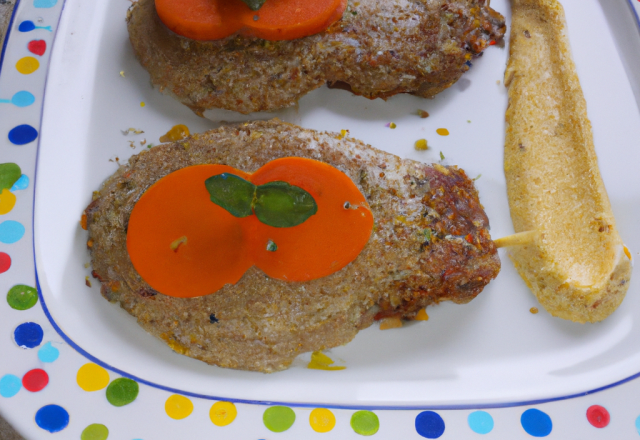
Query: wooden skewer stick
column 517, row 239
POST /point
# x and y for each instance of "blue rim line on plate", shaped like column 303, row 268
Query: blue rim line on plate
column 635, row 13
column 97, row 361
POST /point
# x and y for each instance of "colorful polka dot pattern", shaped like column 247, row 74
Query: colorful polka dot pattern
column 223, row 413
column 48, row 353
column 52, row 418
column 28, row 335
column 480, row 422
column 178, row 407
column 365, row 422
column 92, row 377
column 122, row 391
column 95, row 431
column 21, row 297
column 598, row 416
column 429, row 424
column 278, row 418
column 322, row 420
column 35, row 380
column 536, row 423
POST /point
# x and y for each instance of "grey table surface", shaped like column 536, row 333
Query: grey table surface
column 6, row 8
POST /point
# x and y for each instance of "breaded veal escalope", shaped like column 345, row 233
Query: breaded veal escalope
column 379, row 48
column 430, row 243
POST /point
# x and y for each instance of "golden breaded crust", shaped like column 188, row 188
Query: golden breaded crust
column 379, row 48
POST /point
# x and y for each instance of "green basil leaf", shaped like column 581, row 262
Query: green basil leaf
column 282, row 205
column 9, row 174
column 254, row 5
column 232, row 193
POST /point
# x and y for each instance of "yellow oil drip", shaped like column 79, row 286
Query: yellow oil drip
column 320, row 361
column 422, row 315
column 176, row 133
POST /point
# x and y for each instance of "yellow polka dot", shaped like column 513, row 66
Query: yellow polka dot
column 7, row 201
column 223, row 413
column 322, row 420
column 142, row 104
column 178, row 407
column 92, row 377
column 442, row 132
column 27, row 65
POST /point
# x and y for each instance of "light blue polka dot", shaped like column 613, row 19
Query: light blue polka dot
column 44, row 3
column 638, row 424
column 480, row 422
column 11, row 231
column 23, row 99
column 21, row 183
column 48, row 353
column 10, row 385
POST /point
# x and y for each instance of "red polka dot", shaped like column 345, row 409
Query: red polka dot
column 35, row 380
column 598, row 416
column 5, row 262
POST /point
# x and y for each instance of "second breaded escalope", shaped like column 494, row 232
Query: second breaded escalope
column 378, row 49
column 430, row 243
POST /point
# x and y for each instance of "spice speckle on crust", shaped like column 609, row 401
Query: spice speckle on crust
column 430, row 243
column 378, row 49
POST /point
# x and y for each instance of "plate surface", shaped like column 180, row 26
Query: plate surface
column 489, row 353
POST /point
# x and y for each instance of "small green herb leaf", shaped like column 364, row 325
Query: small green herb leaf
column 254, row 5
column 282, row 205
column 232, row 193
column 9, row 174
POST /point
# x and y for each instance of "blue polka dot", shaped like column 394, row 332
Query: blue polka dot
column 480, row 422
column 21, row 183
column 52, row 418
column 28, row 335
column 429, row 424
column 23, row 99
column 11, row 231
column 536, row 423
column 48, row 353
column 26, row 26
column 23, row 134
column 10, row 385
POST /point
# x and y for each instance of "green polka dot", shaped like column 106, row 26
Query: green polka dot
column 21, row 297
column 122, row 391
column 365, row 423
column 95, row 432
column 278, row 418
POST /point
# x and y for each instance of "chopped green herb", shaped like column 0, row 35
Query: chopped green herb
column 276, row 204
column 254, row 5
column 271, row 246
column 441, row 156
column 282, row 205
column 479, row 176
column 354, row 13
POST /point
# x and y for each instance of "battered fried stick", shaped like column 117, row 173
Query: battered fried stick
column 567, row 248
